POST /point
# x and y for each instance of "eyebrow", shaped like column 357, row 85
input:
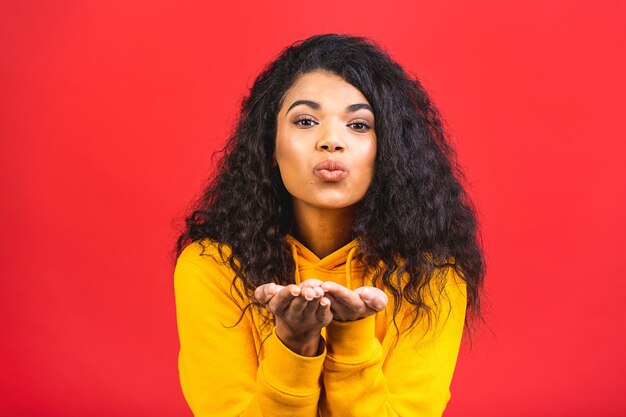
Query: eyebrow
column 355, row 107
column 312, row 104
column 315, row 106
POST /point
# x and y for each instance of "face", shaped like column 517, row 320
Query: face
column 325, row 142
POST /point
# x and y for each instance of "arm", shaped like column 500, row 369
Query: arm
column 219, row 371
column 414, row 378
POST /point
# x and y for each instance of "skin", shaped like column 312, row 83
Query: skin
column 322, row 117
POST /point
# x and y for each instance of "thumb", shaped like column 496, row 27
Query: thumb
column 264, row 293
column 373, row 297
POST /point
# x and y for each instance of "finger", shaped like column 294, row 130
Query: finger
column 373, row 297
column 311, row 307
column 375, row 294
column 342, row 294
column 325, row 302
column 319, row 291
column 281, row 301
column 297, row 306
column 331, row 299
column 311, row 282
column 263, row 293
column 336, row 308
column 324, row 314
column 311, row 293
column 311, row 288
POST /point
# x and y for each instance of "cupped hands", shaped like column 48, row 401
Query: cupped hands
column 301, row 311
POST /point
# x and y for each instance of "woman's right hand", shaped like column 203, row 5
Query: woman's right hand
column 300, row 312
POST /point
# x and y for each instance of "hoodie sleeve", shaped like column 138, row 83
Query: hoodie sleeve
column 413, row 379
column 219, row 370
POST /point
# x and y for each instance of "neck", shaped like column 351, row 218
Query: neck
column 323, row 231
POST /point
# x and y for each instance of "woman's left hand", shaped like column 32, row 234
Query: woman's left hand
column 350, row 305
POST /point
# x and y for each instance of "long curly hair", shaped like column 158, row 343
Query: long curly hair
column 415, row 220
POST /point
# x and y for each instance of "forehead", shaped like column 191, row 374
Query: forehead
column 324, row 88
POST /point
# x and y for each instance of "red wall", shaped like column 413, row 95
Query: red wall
column 109, row 113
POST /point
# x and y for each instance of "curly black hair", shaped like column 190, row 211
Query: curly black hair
column 416, row 219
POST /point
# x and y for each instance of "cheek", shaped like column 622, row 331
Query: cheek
column 285, row 155
column 290, row 160
column 291, row 148
column 371, row 164
column 368, row 157
column 281, row 151
column 364, row 163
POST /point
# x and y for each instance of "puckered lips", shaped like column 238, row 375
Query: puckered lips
column 331, row 170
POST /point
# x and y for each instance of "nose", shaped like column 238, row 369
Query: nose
column 331, row 141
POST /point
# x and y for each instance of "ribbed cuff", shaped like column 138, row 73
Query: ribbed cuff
column 289, row 372
column 352, row 341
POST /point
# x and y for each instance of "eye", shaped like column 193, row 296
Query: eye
column 305, row 122
column 360, row 126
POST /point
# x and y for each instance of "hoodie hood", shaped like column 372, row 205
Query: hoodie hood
column 339, row 266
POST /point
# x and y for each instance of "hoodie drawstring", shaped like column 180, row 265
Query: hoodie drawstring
column 349, row 267
column 294, row 254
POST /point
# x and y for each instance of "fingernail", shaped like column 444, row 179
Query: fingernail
column 366, row 294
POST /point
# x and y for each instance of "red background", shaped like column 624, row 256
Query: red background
column 109, row 114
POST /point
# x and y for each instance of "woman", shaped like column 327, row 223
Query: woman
column 328, row 267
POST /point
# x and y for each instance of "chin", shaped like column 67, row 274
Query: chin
column 328, row 200
column 333, row 204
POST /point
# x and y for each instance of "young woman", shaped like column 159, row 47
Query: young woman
column 328, row 267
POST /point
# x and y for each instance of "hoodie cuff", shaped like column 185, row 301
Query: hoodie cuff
column 352, row 341
column 289, row 372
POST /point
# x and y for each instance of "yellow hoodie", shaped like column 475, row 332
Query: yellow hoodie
column 245, row 370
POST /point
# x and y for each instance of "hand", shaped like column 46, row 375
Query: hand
column 264, row 293
column 350, row 305
column 300, row 315
column 310, row 290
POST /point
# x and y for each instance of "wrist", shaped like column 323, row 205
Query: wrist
column 304, row 345
column 353, row 339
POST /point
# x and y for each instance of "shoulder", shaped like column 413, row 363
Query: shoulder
column 203, row 266
column 452, row 282
column 446, row 290
column 443, row 305
column 445, row 276
column 206, row 255
column 203, row 251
